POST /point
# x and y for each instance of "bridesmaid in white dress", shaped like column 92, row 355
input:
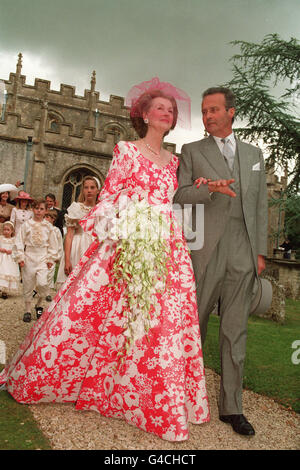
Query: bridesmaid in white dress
column 9, row 269
column 77, row 241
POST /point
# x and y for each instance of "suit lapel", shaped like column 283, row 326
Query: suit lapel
column 213, row 155
column 245, row 167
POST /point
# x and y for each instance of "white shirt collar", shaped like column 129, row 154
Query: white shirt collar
column 230, row 137
column 220, row 144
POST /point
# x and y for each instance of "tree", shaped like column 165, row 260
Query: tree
column 259, row 71
column 290, row 206
column 292, row 221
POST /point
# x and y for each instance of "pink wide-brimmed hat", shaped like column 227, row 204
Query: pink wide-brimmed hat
column 23, row 196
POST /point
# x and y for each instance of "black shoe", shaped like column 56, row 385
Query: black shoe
column 27, row 317
column 4, row 295
column 39, row 311
column 239, row 424
column 49, row 298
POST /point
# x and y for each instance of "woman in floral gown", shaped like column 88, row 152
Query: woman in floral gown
column 122, row 335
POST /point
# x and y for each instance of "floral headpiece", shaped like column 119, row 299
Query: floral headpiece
column 182, row 99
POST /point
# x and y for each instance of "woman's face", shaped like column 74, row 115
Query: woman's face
column 4, row 196
column 23, row 204
column 160, row 114
column 90, row 191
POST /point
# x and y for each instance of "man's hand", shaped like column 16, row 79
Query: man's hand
column 217, row 186
column 261, row 264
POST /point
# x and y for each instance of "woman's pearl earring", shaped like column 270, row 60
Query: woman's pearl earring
column 146, row 121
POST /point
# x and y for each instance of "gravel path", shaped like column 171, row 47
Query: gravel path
column 68, row 429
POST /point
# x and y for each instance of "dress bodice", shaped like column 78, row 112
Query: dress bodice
column 132, row 174
column 130, row 169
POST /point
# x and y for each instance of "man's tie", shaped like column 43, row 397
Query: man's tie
column 228, row 153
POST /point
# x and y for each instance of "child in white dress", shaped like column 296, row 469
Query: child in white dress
column 9, row 269
column 22, row 211
column 36, row 251
column 77, row 241
column 51, row 216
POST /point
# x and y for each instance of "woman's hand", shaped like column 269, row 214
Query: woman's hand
column 68, row 268
column 22, row 264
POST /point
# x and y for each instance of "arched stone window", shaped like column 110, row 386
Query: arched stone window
column 72, row 185
column 120, row 132
column 54, row 120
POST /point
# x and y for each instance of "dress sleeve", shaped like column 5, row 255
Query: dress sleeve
column 52, row 252
column 18, row 249
column 73, row 215
column 114, row 185
column 13, row 216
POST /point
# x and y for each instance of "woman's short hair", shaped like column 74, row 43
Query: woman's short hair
column 143, row 104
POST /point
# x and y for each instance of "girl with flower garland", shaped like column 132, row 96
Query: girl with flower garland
column 122, row 335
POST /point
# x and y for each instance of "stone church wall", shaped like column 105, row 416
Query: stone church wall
column 45, row 135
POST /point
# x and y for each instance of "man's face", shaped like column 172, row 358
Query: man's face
column 50, row 202
column 216, row 119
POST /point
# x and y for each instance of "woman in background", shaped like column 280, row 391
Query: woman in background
column 8, row 192
column 22, row 211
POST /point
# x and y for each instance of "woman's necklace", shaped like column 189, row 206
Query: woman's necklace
column 151, row 149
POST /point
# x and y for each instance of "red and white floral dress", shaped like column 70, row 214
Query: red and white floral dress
column 72, row 352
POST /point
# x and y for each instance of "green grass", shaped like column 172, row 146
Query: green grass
column 269, row 369
column 18, row 429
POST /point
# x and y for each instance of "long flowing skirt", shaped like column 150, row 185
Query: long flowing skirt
column 72, row 352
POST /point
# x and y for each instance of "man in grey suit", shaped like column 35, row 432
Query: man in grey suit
column 235, row 237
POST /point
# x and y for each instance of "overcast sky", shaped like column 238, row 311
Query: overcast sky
column 185, row 42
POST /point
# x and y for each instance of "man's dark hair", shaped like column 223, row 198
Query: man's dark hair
column 228, row 94
column 51, row 196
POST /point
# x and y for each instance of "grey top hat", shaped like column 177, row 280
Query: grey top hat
column 262, row 296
